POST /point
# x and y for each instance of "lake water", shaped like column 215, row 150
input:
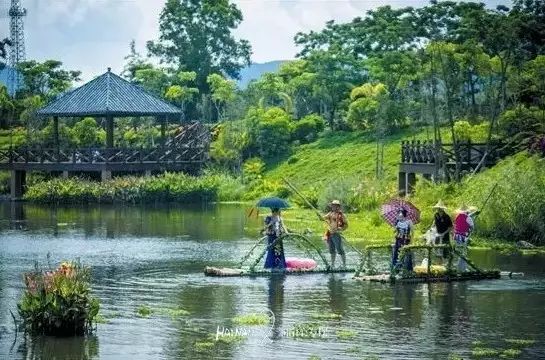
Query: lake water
column 155, row 255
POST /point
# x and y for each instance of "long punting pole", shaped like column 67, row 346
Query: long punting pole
column 318, row 213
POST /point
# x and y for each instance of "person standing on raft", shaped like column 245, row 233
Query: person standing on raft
column 463, row 225
column 403, row 234
column 274, row 228
column 337, row 223
column 443, row 225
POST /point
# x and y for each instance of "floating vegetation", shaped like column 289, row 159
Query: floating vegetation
column 202, row 346
column 455, row 356
column 144, row 311
column 100, row 319
column 229, row 339
column 477, row 343
column 484, row 352
column 314, row 357
column 345, row 334
column 326, row 316
column 510, row 353
column 520, row 342
column 308, row 330
column 252, row 319
column 173, row 313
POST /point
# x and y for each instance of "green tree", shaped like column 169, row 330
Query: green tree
column 195, row 35
column 87, row 133
column 134, row 62
column 7, row 107
column 28, row 116
column 365, row 108
column 183, row 92
column 222, row 92
column 47, row 79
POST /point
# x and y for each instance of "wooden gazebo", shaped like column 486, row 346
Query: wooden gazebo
column 108, row 97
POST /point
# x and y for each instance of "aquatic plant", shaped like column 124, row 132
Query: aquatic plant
column 144, row 311
column 484, row 352
column 345, row 334
column 59, row 301
column 520, row 342
column 203, row 346
column 326, row 316
column 510, row 353
column 251, row 319
column 174, row 313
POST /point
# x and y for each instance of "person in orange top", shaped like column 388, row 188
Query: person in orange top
column 337, row 223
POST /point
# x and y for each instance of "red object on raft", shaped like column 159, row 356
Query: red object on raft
column 300, row 264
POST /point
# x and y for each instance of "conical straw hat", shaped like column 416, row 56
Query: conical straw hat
column 462, row 209
column 440, row 205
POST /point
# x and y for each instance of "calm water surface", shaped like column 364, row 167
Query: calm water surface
column 154, row 256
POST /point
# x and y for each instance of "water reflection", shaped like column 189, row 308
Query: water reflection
column 275, row 301
column 338, row 302
column 43, row 347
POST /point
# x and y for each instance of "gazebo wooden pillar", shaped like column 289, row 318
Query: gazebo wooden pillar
column 56, row 131
column 109, row 131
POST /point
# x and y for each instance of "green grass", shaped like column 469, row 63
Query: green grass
column 251, row 319
column 351, row 154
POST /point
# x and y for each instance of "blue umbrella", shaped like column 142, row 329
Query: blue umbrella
column 273, row 203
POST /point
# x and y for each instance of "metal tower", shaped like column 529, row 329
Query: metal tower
column 17, row 49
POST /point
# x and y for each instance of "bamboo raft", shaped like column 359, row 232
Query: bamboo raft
column 226, row 272
column 253, row 268
column 470, row 275
column 366, row 271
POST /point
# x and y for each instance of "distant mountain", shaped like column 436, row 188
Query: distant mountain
column 254, row 71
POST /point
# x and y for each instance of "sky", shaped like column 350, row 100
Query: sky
column 92, row 35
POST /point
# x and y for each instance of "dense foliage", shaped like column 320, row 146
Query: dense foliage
column 59, row 302
column 168, row 187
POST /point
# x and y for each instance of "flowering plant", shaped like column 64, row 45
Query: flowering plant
column 58, row 302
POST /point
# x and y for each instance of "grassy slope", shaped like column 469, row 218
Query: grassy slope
column 339, row 154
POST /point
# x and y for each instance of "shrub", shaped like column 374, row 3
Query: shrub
column 58, row 302
column 274, row 133
column 253, row 169
column 307, row 129
column 163, row 188
column 464, row 131
column 521, row 121
column 87, row 133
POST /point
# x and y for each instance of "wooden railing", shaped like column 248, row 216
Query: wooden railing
column 105, row 156
column 428, row 152
column 190, row 145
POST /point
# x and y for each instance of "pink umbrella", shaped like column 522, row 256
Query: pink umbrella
column 390, row 210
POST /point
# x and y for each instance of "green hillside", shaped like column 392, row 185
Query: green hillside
column 341, row 155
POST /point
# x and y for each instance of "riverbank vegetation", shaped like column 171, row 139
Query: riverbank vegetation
column 168, row 187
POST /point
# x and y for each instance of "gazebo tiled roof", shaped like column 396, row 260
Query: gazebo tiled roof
column 108, row 95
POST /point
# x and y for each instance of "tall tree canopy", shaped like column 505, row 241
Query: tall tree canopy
column 195, row 35
column 47, row 79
